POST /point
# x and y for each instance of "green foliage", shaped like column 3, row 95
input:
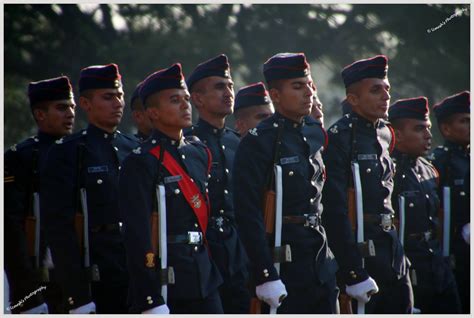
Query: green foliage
column 47, row 40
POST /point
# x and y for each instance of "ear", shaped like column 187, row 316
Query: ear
column 39, row 114
column 239, row 125
column 196, row 99
column 353, row 99
column 398, row 135
column 152, row 113
column 136, row 115
column 275, row 96
column 85, row 103
column 445, row 129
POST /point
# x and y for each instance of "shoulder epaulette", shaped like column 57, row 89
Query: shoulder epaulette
column 73, row 137
column 232, row 131
column 24, row 143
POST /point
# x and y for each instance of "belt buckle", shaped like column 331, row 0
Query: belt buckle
column 427, row 236
column 220, row 223
column 194, row 238
column 386, row 221
column 312, row 220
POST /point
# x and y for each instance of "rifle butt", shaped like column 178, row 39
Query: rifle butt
column 30, row 228
column 269, row 211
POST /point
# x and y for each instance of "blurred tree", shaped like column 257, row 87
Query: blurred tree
column 47, row 40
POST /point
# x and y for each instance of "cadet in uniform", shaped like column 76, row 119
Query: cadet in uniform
column 52, row 105
column 363, row 136
column 90, row 160
column 452, row 161
column 212, row 93
column 309, row 279
column 184, row 172
column 416, row 180
column 139, row 116
column 252, row 105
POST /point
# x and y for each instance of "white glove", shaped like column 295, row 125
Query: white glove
column 41, row 309
column 363, row 290
column 466, row 233
column 84, row 309
column 272, row 292
column 160, row 310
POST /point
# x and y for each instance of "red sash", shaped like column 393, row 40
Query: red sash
column 189, row 189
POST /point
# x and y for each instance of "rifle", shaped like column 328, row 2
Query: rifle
column 33, row 222
column 269, row 195
column 446, row 217
column 158, row 230
column 81, row 220
column 280, row 253
column 355, row 215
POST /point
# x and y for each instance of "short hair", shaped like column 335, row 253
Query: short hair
column 240, row 113
column 87, row 93
column 198, row 87
column 398, row 123
column 148, row 103
column 276, row 84
column 353, row 88
column 137, row 105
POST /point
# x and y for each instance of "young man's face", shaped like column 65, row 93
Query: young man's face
column 57, row 119
column 215, row 96
column 413, row 137
column 104, row 107
column 252, row 117
column 294, row 97
column 170, row 109
column 370, row 98
column 457, row 128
